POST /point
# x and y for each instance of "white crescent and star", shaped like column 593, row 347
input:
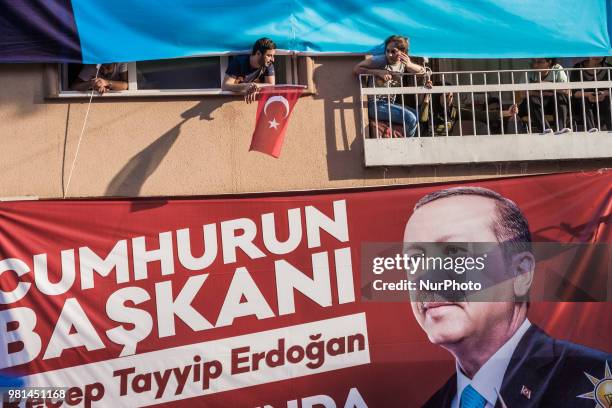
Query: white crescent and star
column 280, row 99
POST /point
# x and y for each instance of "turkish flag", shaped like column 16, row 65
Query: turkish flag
column 275, row 106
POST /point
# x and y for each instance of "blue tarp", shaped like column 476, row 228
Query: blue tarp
column 130, row 30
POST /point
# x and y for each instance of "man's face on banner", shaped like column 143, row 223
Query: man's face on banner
column 466, row 218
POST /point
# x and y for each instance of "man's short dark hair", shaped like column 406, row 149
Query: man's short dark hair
column 510, row 226
column 262, row 45
column 403, row 43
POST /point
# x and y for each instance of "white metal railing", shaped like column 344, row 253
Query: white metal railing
column 471, row 92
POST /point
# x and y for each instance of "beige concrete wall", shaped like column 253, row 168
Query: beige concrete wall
column 197, row 146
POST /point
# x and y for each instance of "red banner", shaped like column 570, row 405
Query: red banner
column 253, row 301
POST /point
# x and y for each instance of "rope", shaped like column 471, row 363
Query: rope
column 81, row 136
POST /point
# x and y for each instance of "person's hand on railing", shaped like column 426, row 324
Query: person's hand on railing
column 383, row 74
column 449, row 99
column 588, row 95
column 592, row 97
column 100, row 84
column 512, row 110
column 602, row 95
column 552, row 93
column 251, row 93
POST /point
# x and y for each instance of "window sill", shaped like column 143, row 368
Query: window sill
column 154, row 93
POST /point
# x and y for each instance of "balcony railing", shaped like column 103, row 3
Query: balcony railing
column 486, row 116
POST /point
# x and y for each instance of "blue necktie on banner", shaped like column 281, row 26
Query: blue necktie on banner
column 470, row 398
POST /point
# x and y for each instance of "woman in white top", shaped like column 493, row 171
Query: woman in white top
column 387, row 70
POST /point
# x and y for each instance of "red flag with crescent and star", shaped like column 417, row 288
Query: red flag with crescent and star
column 275, row 106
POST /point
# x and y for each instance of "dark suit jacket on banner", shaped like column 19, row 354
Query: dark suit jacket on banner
column 543, row 372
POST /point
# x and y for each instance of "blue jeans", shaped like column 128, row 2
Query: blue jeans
column 398, row 115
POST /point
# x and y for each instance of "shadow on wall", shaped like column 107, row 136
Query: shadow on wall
column 339, row 90
column 131, row 178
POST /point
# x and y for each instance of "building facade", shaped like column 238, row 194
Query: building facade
column 197, row 143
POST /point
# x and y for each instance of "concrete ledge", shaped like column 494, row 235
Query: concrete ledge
column 482, row 149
